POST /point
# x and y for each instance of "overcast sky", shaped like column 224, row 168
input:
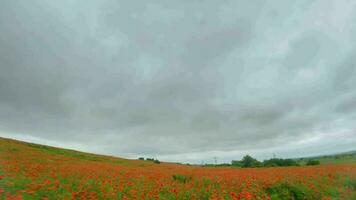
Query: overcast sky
column 184, row 80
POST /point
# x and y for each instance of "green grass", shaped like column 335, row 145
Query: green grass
column 73, row 153
column 350, row 159
column 70, row 153
column 332, row 159
column 292, row 192
column 2, row 185
column 182, row 178
column 351, row 184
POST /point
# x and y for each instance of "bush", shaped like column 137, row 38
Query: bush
column 351, row 184
column 182, row 178
column 313, row 162
column 292, row 192
column 236, row 163
column 141, row 158
column 279, row 162
column 248, row 161
column 153, row 160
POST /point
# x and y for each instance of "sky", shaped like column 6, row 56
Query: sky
column 182, row 81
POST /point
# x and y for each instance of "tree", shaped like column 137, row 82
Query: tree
column 313, row 162
column 236, row 163
column 248, row 161
column 279, row 162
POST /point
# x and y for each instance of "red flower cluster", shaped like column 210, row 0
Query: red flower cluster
column 75, row 176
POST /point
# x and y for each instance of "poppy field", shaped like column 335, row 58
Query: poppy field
column 29, row 171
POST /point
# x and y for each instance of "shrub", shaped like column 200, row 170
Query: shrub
column 313, row 162
column 248, row 161
column 292, row 192
column 141, row 158
column 182, row 178
column 236, row 163
column 153, row 160
column 351, row 184
column 279, row 162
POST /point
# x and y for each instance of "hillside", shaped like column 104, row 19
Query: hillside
column 16, row 147
column 31, row 171
column 338, row 158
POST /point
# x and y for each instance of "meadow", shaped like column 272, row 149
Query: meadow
column 30, row 171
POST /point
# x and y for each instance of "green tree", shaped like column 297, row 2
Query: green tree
column 248, row 161
column 279, row 162
column 313, row 162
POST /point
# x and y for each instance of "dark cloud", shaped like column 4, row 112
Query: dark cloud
column 181, row 80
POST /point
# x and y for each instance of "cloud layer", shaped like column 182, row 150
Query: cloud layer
column 184, row 80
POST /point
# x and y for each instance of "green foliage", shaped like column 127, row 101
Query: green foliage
column 236, row 163
column 313, row 162
column 16, row 185
column 74, row 154
column 292, row 192
column 217, row 165
column 182, row 178
column 342, row 158
column 248, row 161
column 141, row 158
column 351, row 184
column 153, row 160
column 274, row 162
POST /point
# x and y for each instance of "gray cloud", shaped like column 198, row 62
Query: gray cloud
column 179, row 80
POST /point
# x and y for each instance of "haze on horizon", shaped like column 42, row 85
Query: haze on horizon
column 180, row 80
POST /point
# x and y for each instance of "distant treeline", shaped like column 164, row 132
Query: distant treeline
column 150, row 159
column 249, row 161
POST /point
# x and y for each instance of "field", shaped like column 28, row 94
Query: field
column 342, row 158
column 29, row 171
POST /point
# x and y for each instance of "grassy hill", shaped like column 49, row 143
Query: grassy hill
column 15, row 146
column 339, row 158
column 39, row 172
